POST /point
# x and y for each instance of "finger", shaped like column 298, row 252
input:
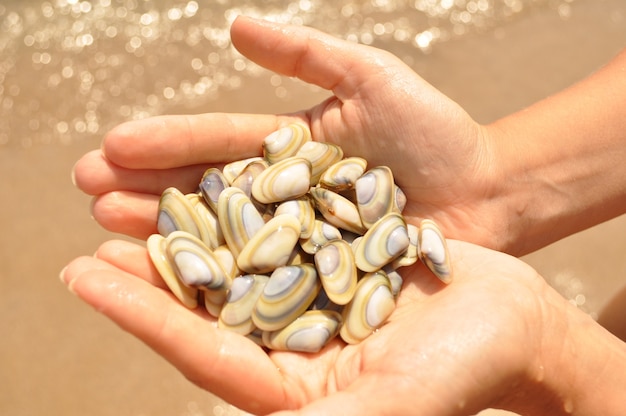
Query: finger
column 94, row 174
column 182, row 140
column 131, row 258
column 308, row 54
column 130, row 213
column 219, row 361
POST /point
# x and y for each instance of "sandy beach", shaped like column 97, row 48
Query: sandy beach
column 60, row 357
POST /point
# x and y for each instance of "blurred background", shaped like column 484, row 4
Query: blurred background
column 71, row 69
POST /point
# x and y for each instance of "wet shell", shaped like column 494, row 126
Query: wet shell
column 272, row 246
column 337, row 210
column 387, row 239
column 285, row 142
column 238, row 218
column 337, row 271
column 433, row 250
column 247, row 176
column 372, row 305
column 236, row 314
column 194, row 263
column 303, row 209
column 287, row 294
column 233, row 169
column 209, row 227
column 409, row 257
column 343, row 175
column 375, row 194
column 188, row 296
column 321, row 156
column 212, row 184
column 284, row 180
column 399, row 201
column 176, row 213
column 322, row 233
column 309, row 333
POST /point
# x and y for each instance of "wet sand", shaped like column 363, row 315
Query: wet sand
column 59, row 357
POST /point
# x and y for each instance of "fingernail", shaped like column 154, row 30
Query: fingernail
column 74, row 174
column 63, row 279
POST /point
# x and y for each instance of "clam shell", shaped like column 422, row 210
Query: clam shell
column 211, row 185
column 238, row 218
column 321, row 155
column 409, row 257
column 233, row 169
column 285, row 142
column 236, row 313
column 248, row 175
column 337, row 210
column 283, row 180
column 303, row 209
column 323, row 302
column 188, row 296
column 176, row 213
column 308, row 333
column 433, row 250
column 287, row 294
column 387, row 239
column 337, row 271
column 214, row 301
column 372, row 305
column 209, row 227
column 399, row 201
column 375, row 194
column 227, row 260
column 194, row 263
column 322, row 233
column 272, row 246
column 343, row 174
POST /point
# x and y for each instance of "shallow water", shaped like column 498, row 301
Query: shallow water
column 70, row 70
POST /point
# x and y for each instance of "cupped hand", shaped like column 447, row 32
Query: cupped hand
column 450, row 350
column 379, row 109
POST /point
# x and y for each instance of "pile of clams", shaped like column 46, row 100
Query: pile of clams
column 293, row 248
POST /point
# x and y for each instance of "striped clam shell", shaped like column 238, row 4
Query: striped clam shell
column 409, row 256
column 337, row 210
column 188, row 296
column 283, row 180
column 322, row 233
column 375, row 194
column 233, row 169
column 236, row 314
column 433, row 250
column 285, row 142
column 176, row 213
column 211, row 185
column 208, row 224
column 272, row 246
column 287, row 294
column 387, row 239
column 238, row 218
column 310, row 332
column 337, row 271
column 321, row 155
column 303, row 209
column 247, row 176
column 343, row 174
column 372, row 305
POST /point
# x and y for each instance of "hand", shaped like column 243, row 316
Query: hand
column 444, row 351
column 380, row 110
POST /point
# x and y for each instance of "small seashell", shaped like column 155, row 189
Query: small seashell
column 209, row 227
column 323, row 302
column 194, row 263
column 233, row 169
column 337, row 271
column 287, row 294
column 343, row 174
column 308, row 333
column 176, row 213
column 236, row 314
column 238, row 218
column 375, row 194
column 214, row 301
column 409, row 257
column 188, row 296
column 337, row 210
column 395, row 279
column 321, row 155
column 303, row 209
column 247, row 176
column 227, row 260
column 371, row 306
column 433, row 250
column 285, row 142
column 399, row 201
column 322, row 233
column 283, row 180
column 272, row 246
column 212, row 184
column 387, row 239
